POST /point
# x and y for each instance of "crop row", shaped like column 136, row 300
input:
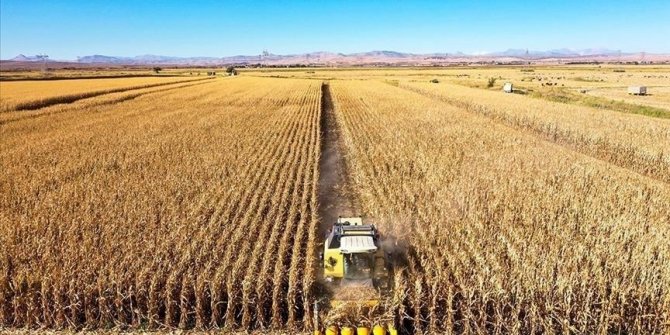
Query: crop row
column 185, row 208
column 635, row 142
column 505, row 232
column 30, row 95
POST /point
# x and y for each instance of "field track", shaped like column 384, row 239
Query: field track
column 336, row 198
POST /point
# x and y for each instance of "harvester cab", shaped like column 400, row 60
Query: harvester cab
column 353, row 256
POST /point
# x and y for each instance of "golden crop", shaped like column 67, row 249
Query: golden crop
column 27, row 95
column 506, row 232
column 164, row 204
column 626, row 140
column 191, row 207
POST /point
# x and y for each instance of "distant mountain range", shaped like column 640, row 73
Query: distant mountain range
column 22, row 58
column 372, row 57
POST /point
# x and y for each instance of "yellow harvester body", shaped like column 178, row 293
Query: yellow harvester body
column 353, row 255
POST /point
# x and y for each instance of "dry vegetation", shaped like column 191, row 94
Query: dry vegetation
column 29, row 95
column 660, row 98
column 139, row 213
column 626, row 140
column 605, row 85
column 508, row 233
column 168, row 203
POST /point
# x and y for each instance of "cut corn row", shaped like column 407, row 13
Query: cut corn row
column 28, row 95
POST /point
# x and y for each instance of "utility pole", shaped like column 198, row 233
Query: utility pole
column 44, row 58
column 265, row 56
column 526, row 62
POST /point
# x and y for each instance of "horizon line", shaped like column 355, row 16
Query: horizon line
column 575, row 52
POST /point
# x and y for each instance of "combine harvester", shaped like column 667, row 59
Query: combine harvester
column 357, row 271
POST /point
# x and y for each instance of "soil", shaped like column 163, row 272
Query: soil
column 335, row 190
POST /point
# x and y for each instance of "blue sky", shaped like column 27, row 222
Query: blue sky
column 67, row 29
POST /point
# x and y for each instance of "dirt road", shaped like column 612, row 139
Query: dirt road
column 336, row 196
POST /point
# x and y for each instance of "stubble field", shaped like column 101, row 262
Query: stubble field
column 192, row 204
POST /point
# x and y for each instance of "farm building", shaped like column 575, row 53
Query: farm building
column 507, row 88
column 637, row 90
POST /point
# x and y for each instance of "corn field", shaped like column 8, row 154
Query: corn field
column 162, row 204
column 507, row 232
column 625, row 140
column 185, row 208
column 30, row 95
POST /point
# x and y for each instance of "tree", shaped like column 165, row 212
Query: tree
column 231, row 71
column 157, row 69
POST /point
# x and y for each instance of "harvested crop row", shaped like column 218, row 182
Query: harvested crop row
column 506, row 232
column 88, row 103
column 158, row 211
column 636, row 142
column 31, row 95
